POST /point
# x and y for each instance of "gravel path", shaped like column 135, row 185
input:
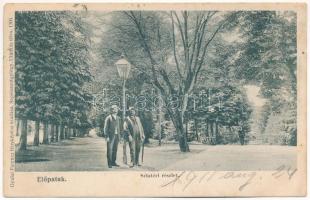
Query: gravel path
column 89, row 154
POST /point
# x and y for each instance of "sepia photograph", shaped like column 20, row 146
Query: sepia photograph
column 155, row 90
column 100, row 90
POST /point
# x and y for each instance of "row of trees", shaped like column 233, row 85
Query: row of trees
column 52, row 65
column 228, row 108
column 269, row 57
column 51, row 132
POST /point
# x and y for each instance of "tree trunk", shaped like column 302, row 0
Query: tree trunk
column 36, row 139
column 207, row 128
column 65, row 132
column 196, row 129
column 62, row 135
column 45, row 133
column 183, row 139
column 56, row 133
column 69, row 135
column 181, row 136
column 23, row 136
column 17, row 127
column 293, row 78
column 161, row 133
column 74, row 132
column 70, row 132
column 59, row 132
column 186, row 129
column 160, row 126
column 178, row 119
column 183, row 142
column 217, row 136
column 212, row 133
column 52, row 133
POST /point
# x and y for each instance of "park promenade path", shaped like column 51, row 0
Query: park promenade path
column 89, row 154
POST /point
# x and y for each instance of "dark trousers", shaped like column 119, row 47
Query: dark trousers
column 135, row 146
column 112, row 149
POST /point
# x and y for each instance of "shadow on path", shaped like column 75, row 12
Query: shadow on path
column 89, row 154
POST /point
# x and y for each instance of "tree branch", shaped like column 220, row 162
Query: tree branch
column 174, row 49
column 201, row 34
column 167, row 81
column 186, row 48
column 147, row 49
column 179, row 26
column 196, row 34
column 207, row 44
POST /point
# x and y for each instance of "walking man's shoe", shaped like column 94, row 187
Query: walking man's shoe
column 115, row 165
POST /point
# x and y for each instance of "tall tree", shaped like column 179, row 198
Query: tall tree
column 172, row 52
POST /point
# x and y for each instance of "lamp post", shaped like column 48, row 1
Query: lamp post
column 123, row 68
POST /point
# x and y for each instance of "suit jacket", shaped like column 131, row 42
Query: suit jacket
column 110, row 124
column 129, row 129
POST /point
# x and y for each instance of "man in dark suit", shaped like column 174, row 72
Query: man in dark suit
column 112, row 129
column 134, row 132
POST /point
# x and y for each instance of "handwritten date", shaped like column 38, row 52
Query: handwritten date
column 187, row 178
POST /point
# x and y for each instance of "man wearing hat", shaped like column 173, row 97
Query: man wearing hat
column 133, row 129
column 112, row 129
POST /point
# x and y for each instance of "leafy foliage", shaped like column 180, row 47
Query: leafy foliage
column 269, row 58
column 52, row 64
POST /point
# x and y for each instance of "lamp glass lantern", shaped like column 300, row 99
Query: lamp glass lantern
column 123, row 68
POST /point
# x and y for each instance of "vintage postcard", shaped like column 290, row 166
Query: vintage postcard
column 155, row 100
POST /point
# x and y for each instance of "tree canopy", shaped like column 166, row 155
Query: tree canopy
column 52, row 64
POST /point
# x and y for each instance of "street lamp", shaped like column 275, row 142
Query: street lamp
column 123, row 68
